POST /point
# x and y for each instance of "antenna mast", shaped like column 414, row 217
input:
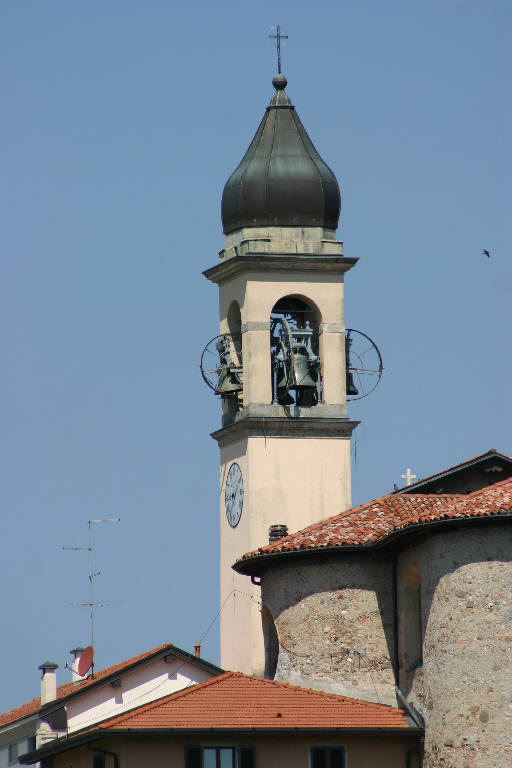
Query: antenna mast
column 92, row 604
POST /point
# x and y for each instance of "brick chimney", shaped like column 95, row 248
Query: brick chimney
column 48, row 682
column 197, row 649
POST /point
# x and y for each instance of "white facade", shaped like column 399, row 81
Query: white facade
column 118, row 692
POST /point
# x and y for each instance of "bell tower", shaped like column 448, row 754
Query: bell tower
column 278, row 364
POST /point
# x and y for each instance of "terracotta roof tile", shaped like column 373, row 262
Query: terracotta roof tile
column 234, row 700
column 371, row 522
column 29, row 707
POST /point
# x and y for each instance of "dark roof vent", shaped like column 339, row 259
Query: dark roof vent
column 276, row 532
column 281, row 180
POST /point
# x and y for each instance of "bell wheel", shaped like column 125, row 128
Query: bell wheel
column 363, row 363
column 212, row 361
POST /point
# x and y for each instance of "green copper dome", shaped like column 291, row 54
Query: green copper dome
column 281, row 180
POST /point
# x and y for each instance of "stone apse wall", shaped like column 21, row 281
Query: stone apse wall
column 334, row 624
column 464, row 686
column 328, row 624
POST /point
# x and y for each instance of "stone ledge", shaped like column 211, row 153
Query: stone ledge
column 273, row 262
column 279, row 426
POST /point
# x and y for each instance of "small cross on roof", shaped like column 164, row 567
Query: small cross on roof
column 408, row 477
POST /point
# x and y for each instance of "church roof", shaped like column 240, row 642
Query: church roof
column 101, row 676
column 281, row 180
column 379, row 521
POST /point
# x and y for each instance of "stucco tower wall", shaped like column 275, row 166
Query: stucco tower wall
column 334, row 621
column 464, row 688
column 291, row 481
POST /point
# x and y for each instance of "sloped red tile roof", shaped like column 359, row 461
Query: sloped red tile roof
column 372, row 522
column 234, row 700
column 29, row 707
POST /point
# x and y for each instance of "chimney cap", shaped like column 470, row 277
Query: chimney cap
column 48, row 666
column 277, row 531
column 78, row 649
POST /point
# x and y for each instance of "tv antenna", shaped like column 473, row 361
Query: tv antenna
column 91, row 604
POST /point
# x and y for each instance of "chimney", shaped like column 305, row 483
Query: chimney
column 77, row 652
column 276, row 532
column 48, row 682
column 197, row 648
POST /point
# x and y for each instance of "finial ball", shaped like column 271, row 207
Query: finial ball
column 279, row 82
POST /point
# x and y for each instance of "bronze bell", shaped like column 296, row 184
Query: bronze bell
column 229, row 383
column 302, row 373
column 283, row 381
column 351, row 387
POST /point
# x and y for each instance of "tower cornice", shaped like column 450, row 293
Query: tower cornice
column 273, row 262
column 281, row 426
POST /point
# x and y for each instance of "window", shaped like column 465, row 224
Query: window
column 13, row 753
column 327, row 757
column 31, row 744
column 219, row 757
column 98, row 761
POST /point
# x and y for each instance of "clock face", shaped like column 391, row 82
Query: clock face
column 234, row 497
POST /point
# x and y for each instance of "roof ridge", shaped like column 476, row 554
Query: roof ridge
column 105, row 671
column 489, row 452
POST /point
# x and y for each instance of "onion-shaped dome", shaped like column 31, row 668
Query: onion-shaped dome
column 281, row 180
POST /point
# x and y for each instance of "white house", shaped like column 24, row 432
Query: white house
column 61, row 710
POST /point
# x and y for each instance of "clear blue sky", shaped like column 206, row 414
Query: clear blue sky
column 121, row 122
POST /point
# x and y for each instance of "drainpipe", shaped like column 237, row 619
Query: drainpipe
column 417, row 752
column 101, row 751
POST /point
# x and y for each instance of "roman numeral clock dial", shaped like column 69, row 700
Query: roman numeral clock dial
column 234, row 496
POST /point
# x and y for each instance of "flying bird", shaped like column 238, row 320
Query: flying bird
column 486, row 253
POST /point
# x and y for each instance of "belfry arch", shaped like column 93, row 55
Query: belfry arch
column 295, row 361
column 234, row 321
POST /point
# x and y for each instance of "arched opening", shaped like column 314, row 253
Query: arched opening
column 411, row 634
column 294, row 352
column 234, row 320
column 229, row 365
column 271, row 641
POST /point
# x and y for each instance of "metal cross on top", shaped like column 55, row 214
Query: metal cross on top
column 278, row 37
column 408, row 477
